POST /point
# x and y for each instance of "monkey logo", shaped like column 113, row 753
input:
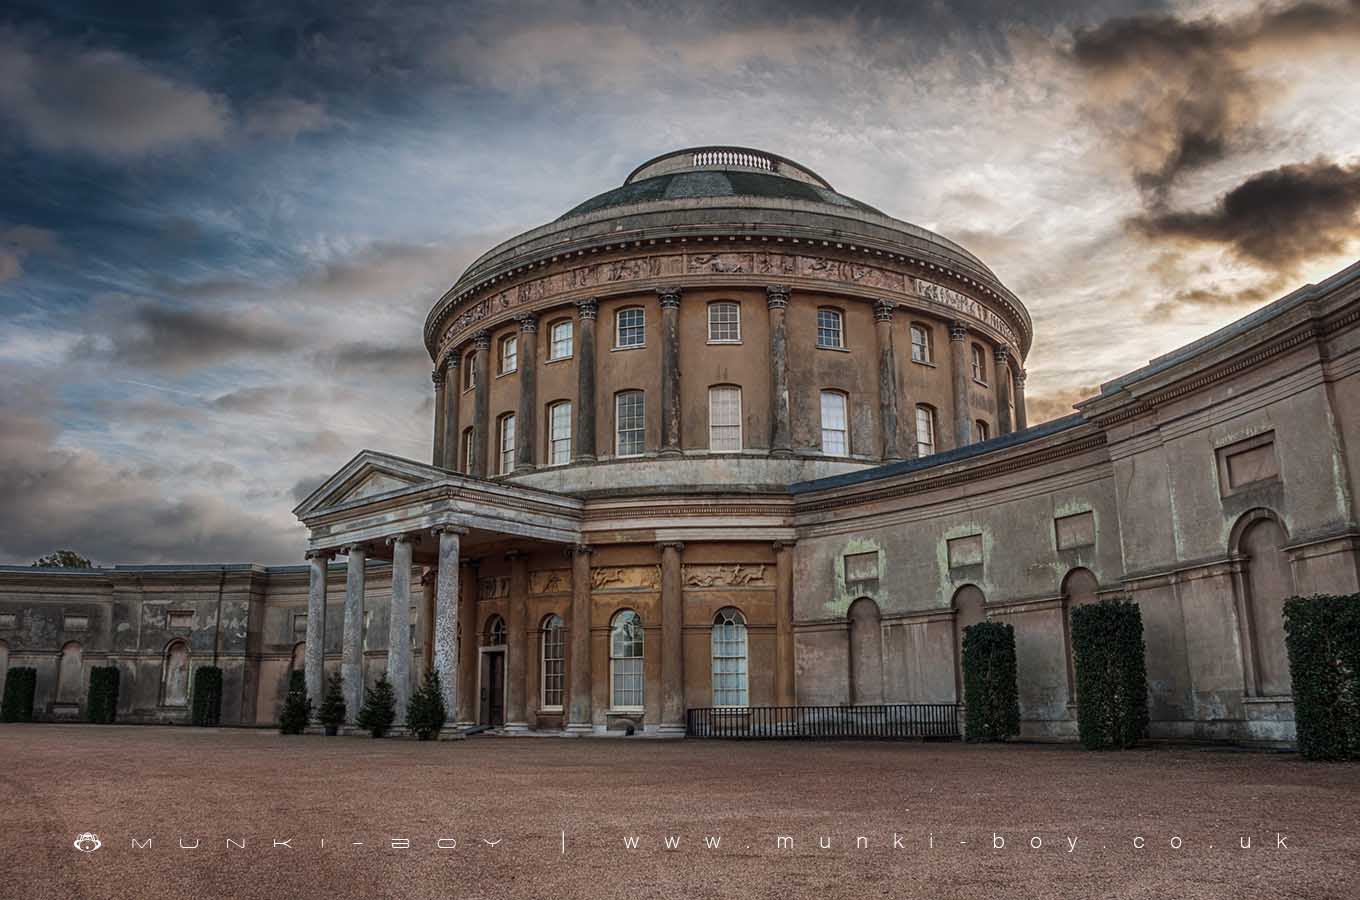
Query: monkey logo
column 88, row 843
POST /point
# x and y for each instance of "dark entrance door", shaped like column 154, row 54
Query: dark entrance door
column 493, row 689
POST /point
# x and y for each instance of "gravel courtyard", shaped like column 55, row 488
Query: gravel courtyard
column 552, row 818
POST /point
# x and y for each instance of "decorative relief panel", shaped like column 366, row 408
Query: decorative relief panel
column 493, row 588
column 964, row 304
column 965, row 551
column 7, row 620
column 727, row 576
column 551, row 581
column 625, row 578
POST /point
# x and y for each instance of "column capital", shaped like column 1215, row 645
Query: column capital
column 325, row 553
column 469, row 562
column 677, row 546
column 777, row 296
column 352, row 549
column 452, row 361
column 481, row 340
column 402, row 539
column 428, row 576
column 513, row 555
column 528, row 322
column 783, row 545
column 437, row 376
column 1020, row 375
column 958, row 331
column 588, row 308
column 581, row 550
column 449, row 529
column 1001, row 354
column 669, row 297
column 883, row 310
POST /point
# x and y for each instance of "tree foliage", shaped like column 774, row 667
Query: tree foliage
column 207, row 709
column 332, row 711
column 63, row 559
column 21, row 682
column 990, row 695
column 101, row 703
column 1112, row 694
column 380, row 708
column 425, row 714
column 297, row 706
column 1322, row 635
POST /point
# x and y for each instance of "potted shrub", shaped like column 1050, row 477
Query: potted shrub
column 332, row 711
column 380, row 708
column 425, row 714
column 297, row 706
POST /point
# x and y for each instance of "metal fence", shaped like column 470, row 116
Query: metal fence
column 890, row 720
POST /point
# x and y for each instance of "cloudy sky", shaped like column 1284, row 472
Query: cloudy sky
column 220, row 230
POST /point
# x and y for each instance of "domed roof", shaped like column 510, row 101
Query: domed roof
column 704, row 185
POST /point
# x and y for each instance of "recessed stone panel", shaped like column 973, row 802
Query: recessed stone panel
column 179, row 619
column 965, row 551
column 1248, row 462
column 1077, row 530
column 861, row 566
column 76, row 623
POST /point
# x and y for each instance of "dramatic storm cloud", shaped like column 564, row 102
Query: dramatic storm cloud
column 223, row 224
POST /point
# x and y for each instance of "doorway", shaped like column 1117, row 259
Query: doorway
column 493, row 688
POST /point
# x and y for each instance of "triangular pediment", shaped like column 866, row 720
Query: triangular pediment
column 369, row 474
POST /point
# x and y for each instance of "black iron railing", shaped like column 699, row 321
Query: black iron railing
column 889, row 720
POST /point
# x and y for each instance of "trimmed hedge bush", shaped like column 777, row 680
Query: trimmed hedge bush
column 207, row 708
column 1112, row 693
column 990, row 696
column 1322, row 635
column 21, row 682
column 297, row 706
column 101, row 703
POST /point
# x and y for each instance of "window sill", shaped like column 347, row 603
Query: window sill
column 631, row 347
column 506, row 372
column 554, row 710
column 624, row 710
column 558, row 359
column 980, row 383
column 736, row 343
column 923, row 362
column 836, row 349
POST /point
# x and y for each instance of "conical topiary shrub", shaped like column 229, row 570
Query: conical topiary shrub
column 426, row 714
column 332, row 711
column 380, row 708
column 297, row 706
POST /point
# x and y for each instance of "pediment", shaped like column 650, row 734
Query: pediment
column 368, row 475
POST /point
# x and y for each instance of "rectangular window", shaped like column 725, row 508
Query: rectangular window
column 920, row 344
column 830, row 328
column 554, row 663
column 982, row 432
column 979, row 365
column 469, row 371
column 559, row 346
column 925, row 431
column 629, row 424
column 509, row 354
column 724, row 418
column 724, row 323
column 630, row 330
column 559, row 434
column 835, row 428
column 467, row 451
column 507, row 443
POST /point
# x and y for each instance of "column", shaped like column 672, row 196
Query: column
column 579, row 718
column 1021, row 416
column 670, row 370
column 481, row 403
column 437, row 376
column 958, row 356
column 315, row 650
column 1003, row 389
column 887, row 379
column 352, row 646
column 672, row 641
column 781, row 431
column 446, row 618
column 516, row 664
column 452, row 393
column 784, row 690
column 425, row 624
column 583, row 441
column 526, row 432
column 399, row 626
column 467, row 643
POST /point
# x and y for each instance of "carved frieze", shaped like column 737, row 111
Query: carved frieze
column 494, row 587
column 625, row 578
column 736, row 575
column 550, row 581
column 967, row 305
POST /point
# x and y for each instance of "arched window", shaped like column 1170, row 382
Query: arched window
column 730, row 680
column 969, row 609
column 625, row 661
column 630, row 328
column 554, row 660
column 70, row 674
column 495, row 631
column 922, row 345
column 175, row 675
column 467, row 450
column 298, row 661
column 509, row 354
column 629, row 423
column 724, row 417
column 505, row 426
column 979, row 364
column 830, row 328
column 835, row 424
column 559, row 339
column 559, row 433
column 470, row 371
column 1268, row 580
column 925, row 430
column 866, row 652
column 981, row 431
column 1079, row 587
column 724, row 322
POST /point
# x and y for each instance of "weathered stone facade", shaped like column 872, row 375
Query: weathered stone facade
column 725, row 437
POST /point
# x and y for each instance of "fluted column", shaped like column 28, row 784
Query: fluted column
column 452, row 394
column 1003, row 389
column 526, row 431
column 481, row 403
column 399, row 625
column 437, row 376
column 583, row 441
column 578, row 675
column 781, row 429
column 958, row 356
column 888, row 414
column 466, row 631
column 672, row 640
column 352, row 644
column 670, row 370
column 446, row 604
column 314, row 652
column 516, row 665
column 1021, row 416
column 784, row 690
